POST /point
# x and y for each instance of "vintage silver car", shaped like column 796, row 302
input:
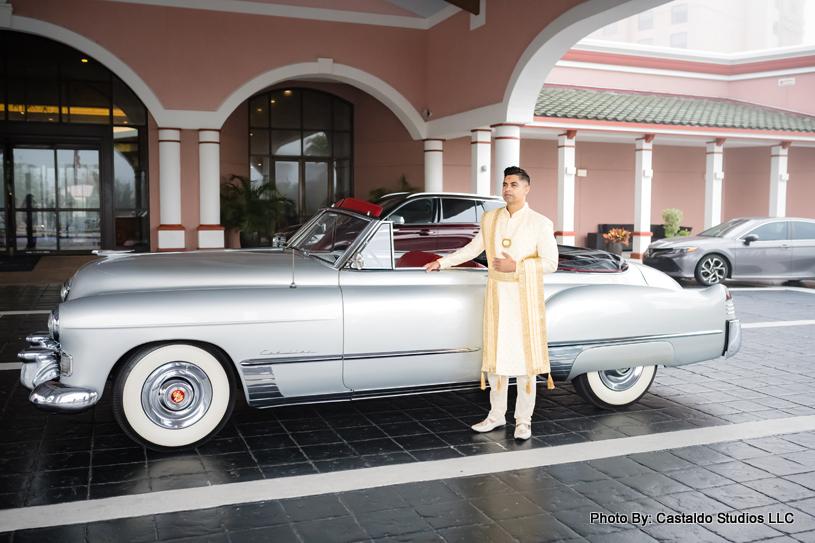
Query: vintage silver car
column 334, row 316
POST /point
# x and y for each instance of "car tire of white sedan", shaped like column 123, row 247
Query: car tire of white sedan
column 173, row 396
column 615, row 388
column 711, row 270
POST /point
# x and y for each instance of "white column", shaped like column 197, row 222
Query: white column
column 480, row 165
column 714, row 177
column 641, row 236
column 210, row 231
column 566, row 171
column 170, row 231
column 433, row 165
column 507, row 152
column 778, row 180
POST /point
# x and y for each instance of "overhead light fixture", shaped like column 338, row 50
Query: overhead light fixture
column 288, row 92
column 85, row 60
column 273, row 101
column 260, row 109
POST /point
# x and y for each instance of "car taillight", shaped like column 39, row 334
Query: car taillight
column 727, row 294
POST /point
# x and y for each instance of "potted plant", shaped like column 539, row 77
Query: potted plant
column 254, row 210
column 616, row 239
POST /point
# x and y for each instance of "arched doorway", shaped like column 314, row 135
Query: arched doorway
column 73, row 152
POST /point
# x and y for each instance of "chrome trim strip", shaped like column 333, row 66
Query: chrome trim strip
column 632, row 339
column 56, row 397
column 360, row 356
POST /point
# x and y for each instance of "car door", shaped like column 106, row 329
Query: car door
column 770, row 256
column 404, row 327
column 415, row 227
column 803, row 249
column 458, row 224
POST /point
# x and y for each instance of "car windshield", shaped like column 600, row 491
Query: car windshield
column 721, row 230
column 329, row 235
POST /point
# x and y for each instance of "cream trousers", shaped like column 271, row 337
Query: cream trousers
column 524, row 405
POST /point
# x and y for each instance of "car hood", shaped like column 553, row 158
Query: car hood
column 686, row 241
column 196, row 270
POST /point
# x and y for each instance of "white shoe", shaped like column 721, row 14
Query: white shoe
column 487, row 424
column 523, row 431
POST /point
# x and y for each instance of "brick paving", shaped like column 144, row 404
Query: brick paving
column 48, row 459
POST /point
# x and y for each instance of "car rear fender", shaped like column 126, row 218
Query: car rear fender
column 633, row 325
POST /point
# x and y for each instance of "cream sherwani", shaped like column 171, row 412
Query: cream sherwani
column 515, row 299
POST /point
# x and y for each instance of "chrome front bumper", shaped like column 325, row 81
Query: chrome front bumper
column 733, row 338
column 43, row 362
column 56, row 397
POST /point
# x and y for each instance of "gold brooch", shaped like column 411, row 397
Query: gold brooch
column 506, row 243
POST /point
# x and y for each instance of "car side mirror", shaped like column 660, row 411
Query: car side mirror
column 750, row 239
column 357, row 262
column 397, row 219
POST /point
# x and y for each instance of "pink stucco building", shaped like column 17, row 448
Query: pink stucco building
column 122, row 118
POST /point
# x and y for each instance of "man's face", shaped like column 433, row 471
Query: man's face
column 515, row 190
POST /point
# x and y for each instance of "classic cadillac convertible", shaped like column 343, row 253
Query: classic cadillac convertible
column 334, row 316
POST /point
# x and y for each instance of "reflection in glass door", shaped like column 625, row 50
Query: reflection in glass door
column 56, row 199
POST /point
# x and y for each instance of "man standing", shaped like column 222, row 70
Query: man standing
column 514, row 312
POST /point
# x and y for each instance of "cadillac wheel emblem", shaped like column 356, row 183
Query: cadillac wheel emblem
column 178, row 396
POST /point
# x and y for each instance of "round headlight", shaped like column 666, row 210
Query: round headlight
column 53, row 324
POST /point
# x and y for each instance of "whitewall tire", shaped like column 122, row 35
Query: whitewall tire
column 173, row 396
column 615, row 388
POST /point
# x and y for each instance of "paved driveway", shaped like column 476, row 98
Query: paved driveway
column 717, row 408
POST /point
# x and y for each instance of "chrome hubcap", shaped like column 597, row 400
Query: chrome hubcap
column 176, row 395
column 713, row 270
column 620, row 379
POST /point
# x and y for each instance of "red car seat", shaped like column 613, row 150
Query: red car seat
column 417, row 259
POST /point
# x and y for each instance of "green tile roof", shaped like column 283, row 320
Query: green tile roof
column 578, row 103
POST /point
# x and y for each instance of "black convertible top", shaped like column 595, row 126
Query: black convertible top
column 580, row 259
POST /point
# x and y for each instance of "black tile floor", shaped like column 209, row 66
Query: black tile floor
column 553, row 503
column 47, row 459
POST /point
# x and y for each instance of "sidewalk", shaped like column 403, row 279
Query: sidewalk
column 50, row 269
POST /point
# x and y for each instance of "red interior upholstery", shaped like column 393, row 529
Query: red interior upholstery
column 417, row 259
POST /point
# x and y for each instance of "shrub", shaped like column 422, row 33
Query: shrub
column 671, row 218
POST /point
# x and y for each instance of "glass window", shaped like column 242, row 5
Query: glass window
column 132, row 231
column 88, row 103
column 721, row 230
column 259, row 169
column 41, row 101
column 286, row 143
column 488, row 205
column 679, row 14
column 36, row 230
column 679, row 40
column 127, row 108
column 645, row 20
column 342, row 115
column 316, row 186
column 127, row 174
column 803, row 230
column 342, row 144
column 342, row 179
column 79, row 231
column 772, row 231
column 378, row 254
column 316, row 144
column 416, row 211
column 316, row 111
column 34, row 178
column 259, row 111
column 259, row 142
column 458, row 211
column 285, row 108
column 609, row 30
column 78, row 172
column 302, row 126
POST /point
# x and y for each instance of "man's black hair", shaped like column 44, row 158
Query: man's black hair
column 515, row 170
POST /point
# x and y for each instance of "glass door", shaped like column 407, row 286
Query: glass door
column 55, row 198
